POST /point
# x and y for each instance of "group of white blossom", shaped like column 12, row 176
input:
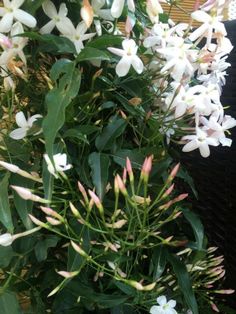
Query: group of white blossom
column 192, row 77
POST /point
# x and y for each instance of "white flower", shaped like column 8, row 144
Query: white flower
column 77, row 35
column 180, row 57
column 211, row 24
column 10, row 11
column 16, row 45
column 118, row 5
column 199, row 140
column 24, row 125
column 58, row 19
column 129, row 58
column 164, row 307
column 60, row 164
column 153, row 10
column 6, row 239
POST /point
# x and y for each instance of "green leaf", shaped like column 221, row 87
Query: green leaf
column 41, row 248
column 197, row 227
column 89, row 53
column 75, row 133
column 9, row 303
column 99, row 164
column 5, row 212
column 158, row 262
column 184, row 281
column 31, row 6
column 57, row 100
column 183, row 174
column 48, row 181
column 6, row 254
column 52, row 43
column 114, row 129
column 105, row 41
column 135, row 157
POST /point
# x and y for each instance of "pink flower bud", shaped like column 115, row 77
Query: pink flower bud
column 214, row 307
column 53, row 221
column 86, row 13
column 26, row 194
column 9, row 167
column 51, row 212
column 6, row 42
column 168, row 191
column 146, row 168
column 121, row 185
column 96, row 201
column 174, row 172
column 227, row 291
column 129, row 169
column 124, row 177
column 79, row 250
column 38, row 222
column 83, row 192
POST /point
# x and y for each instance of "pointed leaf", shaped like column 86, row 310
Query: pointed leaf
column 5, row 212
column 99, row 164
column 184, row 282
column 57, row 100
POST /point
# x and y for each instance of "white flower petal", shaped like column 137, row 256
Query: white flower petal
column 172, row 303
column 32, row 119
column 201, row 16
column 116, row 51
column 63, row 10
column 198, row 32
column 6, row 23
column 97, row 4
column 226, row 141
column 162, row 300
column 192, row 145
column 106, row 14
column 49, row 9
column 25, row 18
column 129, row 45
column 17, row 3
column 117, row 8
column 123, row 66
column 47, row 28
column 68, row 28
column 21, row 120
column 81, row 28
column 18, row 134
column 137, row 64
column 131, row 5
column 204, row 150
column 155, row 309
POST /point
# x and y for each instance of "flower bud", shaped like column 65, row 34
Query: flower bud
column 6, row 239
column 26, row 194
column 121, row 185
column 173, row 173
column 53, row 221
column 117, row 225
column 83, row 192
column 9, row 167
column 86, row 13
column 97, row 202
column 38, row 222
column 146, row 168
column 51, row 212
column 168, row 191
column 129, row 170
column 67, row 274
column 79, row 250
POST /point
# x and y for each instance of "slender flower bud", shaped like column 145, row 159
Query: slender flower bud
column 121, row 185
column 116, row 186
column 26, row 194
column 138, row 286
column 53, row 221
column 16, row 169
column 228, row 291
column 76, row 213
column 51, row 212
column 173, row 173
column 117, row 225
column 83, row 192
column 168, row 191
column 67, row 274
column 97, row 202
column 79, row 250
column 38, row 222
column 146, row 168
column 149, row 287
column 124, row 177
column 214, row 307
column 129, row 170
column 86, row 13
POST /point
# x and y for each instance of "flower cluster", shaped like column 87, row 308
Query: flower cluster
column 193, row 61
